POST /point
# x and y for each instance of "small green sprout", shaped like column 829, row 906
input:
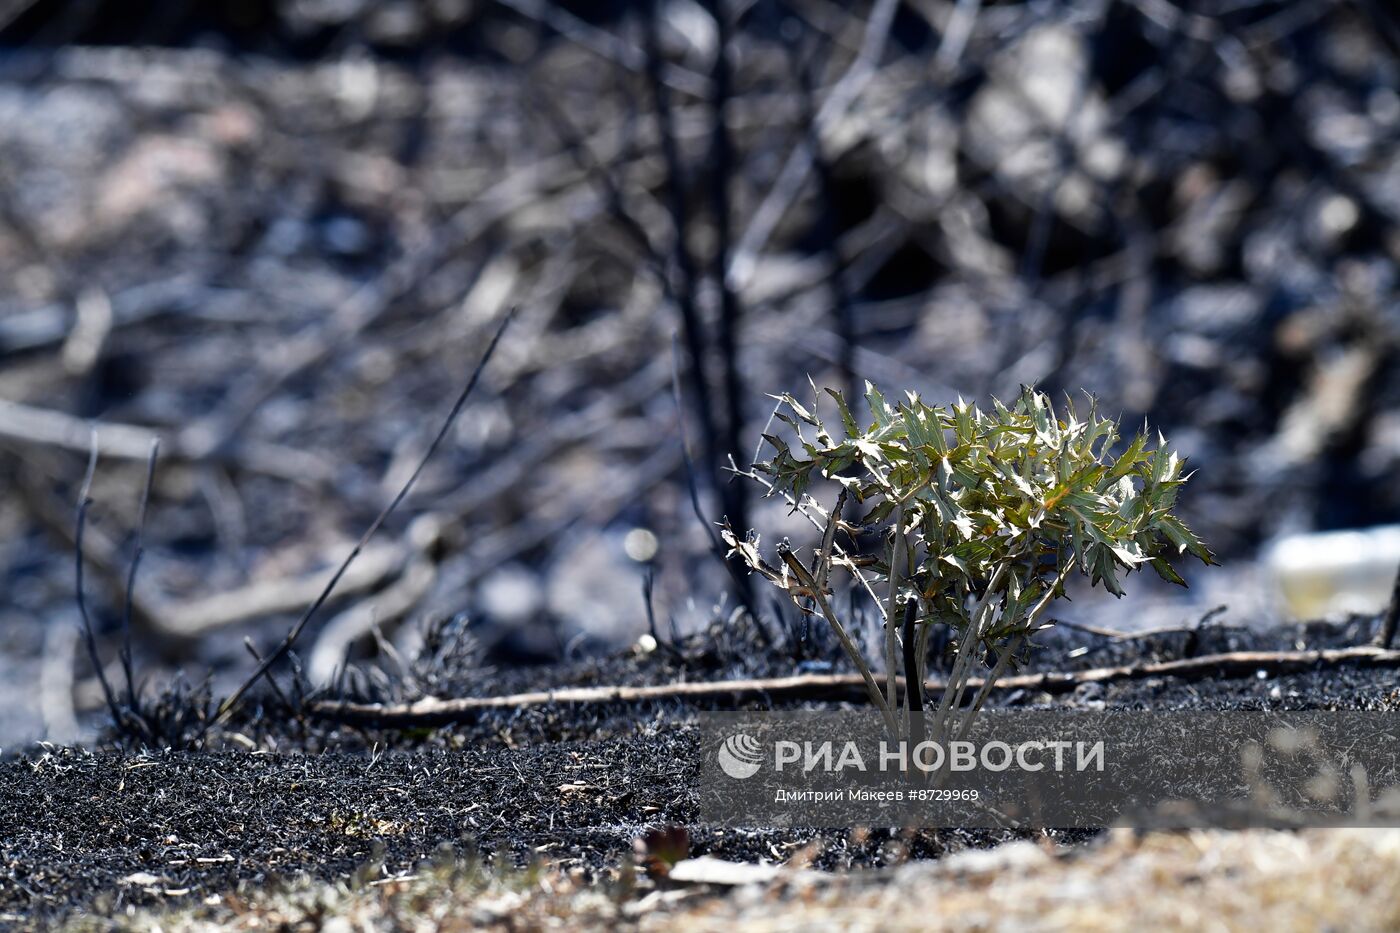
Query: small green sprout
column 981, row 517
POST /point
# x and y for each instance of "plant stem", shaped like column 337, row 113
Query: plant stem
column 913, row 677
column 806, row 513
column 829, row 540
column 957, row 678
column 891, row 613
column 921, row 652
column 987, row 682
column 852, row 652
column 990, row 680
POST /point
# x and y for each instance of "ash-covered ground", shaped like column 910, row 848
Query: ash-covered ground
column 574, row 787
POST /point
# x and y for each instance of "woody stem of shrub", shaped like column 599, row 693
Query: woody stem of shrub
column 897, row 554
column 913, row 674
column 921, row 649
column 847, row 644
column 962, row 662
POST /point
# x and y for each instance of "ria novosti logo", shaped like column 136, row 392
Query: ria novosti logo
column 740, row 755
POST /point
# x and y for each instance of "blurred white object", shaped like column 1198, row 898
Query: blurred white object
column 1336, row 572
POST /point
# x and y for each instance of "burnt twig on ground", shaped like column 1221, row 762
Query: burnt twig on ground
column 845, row 687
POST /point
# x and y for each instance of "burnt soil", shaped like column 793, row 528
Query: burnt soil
column 574, row 786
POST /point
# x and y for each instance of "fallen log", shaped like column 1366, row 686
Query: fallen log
column 434, row 711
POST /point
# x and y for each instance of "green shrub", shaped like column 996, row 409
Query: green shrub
column 981, row 516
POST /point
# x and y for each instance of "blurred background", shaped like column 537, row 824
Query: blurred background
column 278, row 235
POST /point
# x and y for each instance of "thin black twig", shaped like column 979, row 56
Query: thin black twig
column 722, row 172
column 648, row 592
column 89, row 634
column 272, row 681
column 1392, row 617
column 691, row 484
column 229, row 705
column 742, row 588
column 648, row 585
column 687, row 289
column 137, row 554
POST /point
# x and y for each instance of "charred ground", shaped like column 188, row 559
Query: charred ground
column 574, row 787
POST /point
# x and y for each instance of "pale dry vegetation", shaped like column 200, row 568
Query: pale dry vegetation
column 1273, row 880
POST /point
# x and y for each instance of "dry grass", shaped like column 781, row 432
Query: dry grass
column 1340, row 879
column 1335, row 879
